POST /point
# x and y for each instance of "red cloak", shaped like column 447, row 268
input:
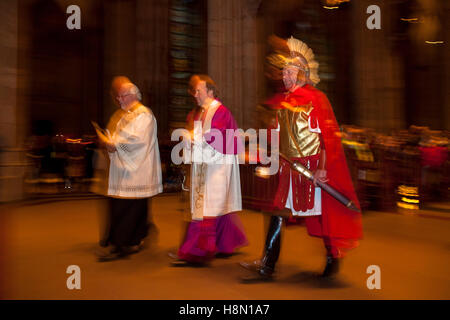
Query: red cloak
column 337, row 221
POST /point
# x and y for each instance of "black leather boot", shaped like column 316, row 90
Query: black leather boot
column 273, row 244
column 331, row 267
column 266, row 266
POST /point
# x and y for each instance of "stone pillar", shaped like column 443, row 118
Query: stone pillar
column 12, row 160
column 446, row 61
column 152, row 43
column 378, row 72
column 233, row 55
column 136, row 46
column 119, row 46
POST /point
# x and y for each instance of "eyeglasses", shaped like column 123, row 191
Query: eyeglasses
column 123, row 96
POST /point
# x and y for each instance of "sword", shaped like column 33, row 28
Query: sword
column 324, row 186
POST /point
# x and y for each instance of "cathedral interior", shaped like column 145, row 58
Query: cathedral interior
column 387, row 82
column 384, row 65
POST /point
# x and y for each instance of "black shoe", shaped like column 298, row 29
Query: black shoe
column 222, row 255
column 127, row 250
column 103, row 243
column 251, row 265
column 331, row 268
column 110, row 257
column 174, row 256
column 116, row 252
column 262, row 275
column 178, row 262
column 101, row 252
column 184, row 263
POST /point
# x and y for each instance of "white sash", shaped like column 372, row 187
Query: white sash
column 209, row 115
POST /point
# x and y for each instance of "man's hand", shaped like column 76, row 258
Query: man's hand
column 320, row 175
column 110, row 147
column 104, row 140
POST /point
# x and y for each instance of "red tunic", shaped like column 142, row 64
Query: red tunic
column 337, row 221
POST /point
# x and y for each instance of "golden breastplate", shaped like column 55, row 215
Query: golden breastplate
column 295, row 120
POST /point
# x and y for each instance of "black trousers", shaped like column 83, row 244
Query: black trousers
column 128, row 221
column 273, row 244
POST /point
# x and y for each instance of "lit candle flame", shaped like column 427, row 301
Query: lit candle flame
column 410, row 19
column 262, row 172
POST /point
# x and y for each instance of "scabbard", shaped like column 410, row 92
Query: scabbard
column 323, row 185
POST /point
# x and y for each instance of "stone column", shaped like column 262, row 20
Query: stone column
column 136, row 46
column 233, row 55
column 119, row 46
column 378, row 72
column 152, row 43
column 446, row 102
column 12, row 160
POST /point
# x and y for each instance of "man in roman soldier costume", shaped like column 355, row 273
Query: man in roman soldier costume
column 215, row 190
column 309, row 135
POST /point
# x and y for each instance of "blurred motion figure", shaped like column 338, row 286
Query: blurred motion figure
column 308, row 134
column 215, row 191
column 134, row 170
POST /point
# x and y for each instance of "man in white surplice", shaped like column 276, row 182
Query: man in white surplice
column 134, row 172
column 215, row 190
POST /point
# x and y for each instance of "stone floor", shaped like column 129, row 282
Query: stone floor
column 41, row 239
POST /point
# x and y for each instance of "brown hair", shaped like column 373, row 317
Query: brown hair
column 210, row 84
column 192, row 83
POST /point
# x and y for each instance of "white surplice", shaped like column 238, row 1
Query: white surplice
column 135, row 168
column 215, row 181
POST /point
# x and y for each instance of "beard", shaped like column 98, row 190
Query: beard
column 123, row 106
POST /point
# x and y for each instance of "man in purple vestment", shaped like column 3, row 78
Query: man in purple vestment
column 215, row 191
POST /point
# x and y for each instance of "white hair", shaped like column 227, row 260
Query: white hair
column 132, row 89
